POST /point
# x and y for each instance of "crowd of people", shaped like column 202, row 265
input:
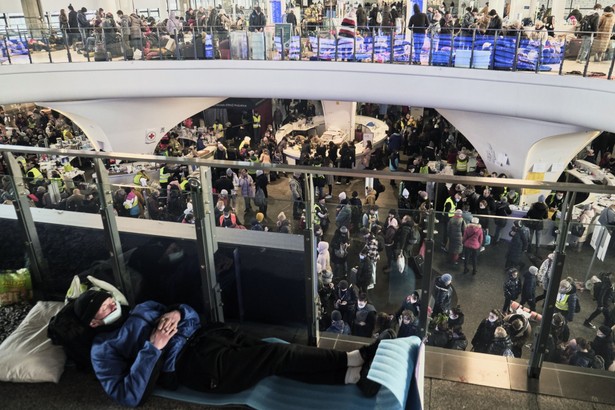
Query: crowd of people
column 357, row 243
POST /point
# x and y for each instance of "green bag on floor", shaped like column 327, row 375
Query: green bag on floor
column 15, row 286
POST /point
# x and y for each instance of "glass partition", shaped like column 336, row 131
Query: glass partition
column 377, row 231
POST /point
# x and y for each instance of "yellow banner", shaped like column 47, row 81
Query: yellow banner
column 533, row 176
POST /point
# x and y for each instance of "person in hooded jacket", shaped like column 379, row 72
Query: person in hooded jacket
column 502, row 209
column 412, row 303
column 567, row 299
column 456, row 317
column 520, row 331
column 364, row 318
column 339, row 252
column 512, row 288
column 501, row 344
column 518, row 245
column 484, row 333
column 345, row 296
column 337, row 324
column 537, row 213
column 365, row 272
column 440, row 336
column 472, row 242
column 584, row 355
column 603, row 345
column 557, row 340
column 404, row 203
column 408, row 324
column 455, row 228
column 443, row 292
column 323, row 261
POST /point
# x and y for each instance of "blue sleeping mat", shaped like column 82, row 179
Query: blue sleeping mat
column 397, row 367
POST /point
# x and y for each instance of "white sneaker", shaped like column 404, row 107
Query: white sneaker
column 328, row 197
column 370, row 286
column 482, row 248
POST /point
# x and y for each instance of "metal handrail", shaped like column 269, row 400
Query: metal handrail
column 523, row 46
column 399, row 176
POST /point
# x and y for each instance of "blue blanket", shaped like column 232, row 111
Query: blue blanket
column 397, row 367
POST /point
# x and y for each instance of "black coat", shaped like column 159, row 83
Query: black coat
column 603, row 346
column 484, row 335
column 529, row 286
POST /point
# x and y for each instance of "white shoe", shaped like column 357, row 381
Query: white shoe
column 370, row 286
column 482, row 248
column 328, row 197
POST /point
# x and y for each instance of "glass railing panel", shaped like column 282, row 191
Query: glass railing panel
column 13, row 252
column 239, row 45
column 257, row 46
column 442, row 52
column 14, row 48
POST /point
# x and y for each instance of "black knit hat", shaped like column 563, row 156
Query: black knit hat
column 88, row 304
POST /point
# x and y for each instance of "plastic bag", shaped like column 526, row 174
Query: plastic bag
column 401, row 263
column 15, row 286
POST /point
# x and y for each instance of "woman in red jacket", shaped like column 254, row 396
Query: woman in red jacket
column 472, row 241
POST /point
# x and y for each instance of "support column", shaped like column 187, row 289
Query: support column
column 518, row 10
column 558, row 10
column 112, row 236
column 38, row 264
column 497, row 5
column 125, row 125
column 207, row 244
column 33, row 14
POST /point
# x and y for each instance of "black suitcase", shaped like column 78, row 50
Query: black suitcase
column 416, row 264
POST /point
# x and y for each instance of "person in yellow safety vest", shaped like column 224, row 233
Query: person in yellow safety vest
column 163, row 176
column 566, row 301
column 256, row 126
column 67, row 133
column 254, row 161
column 35, row 177
column 218, row 127
column 450, row 206
column 245, row 143
column 57, row 180
column 183, row 184
column 511, row 195
column 140, row 178
column 461, row 166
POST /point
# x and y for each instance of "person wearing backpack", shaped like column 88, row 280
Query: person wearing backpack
column 588, row 26
column 603, row 294
column 339, row 252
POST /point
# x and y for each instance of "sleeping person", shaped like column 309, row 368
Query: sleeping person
column 158, row 345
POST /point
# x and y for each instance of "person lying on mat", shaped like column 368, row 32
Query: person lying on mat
column 158, row 345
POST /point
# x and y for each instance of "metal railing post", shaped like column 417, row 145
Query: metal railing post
column 37, row 262
column 542, row 335
column 589, row 53
column 68, row 55
column 427, row 273
column 112, row 236
column 472, row 50
column 311, row 276
column 6, row 47
column 207, row 244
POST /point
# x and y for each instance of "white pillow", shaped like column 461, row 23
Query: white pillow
column 28, row 355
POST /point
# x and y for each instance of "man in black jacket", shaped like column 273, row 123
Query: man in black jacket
column 604, row 299
column 257, row 21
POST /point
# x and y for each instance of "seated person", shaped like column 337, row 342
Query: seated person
column 155, row 344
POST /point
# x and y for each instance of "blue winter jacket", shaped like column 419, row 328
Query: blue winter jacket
column 124, row 359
